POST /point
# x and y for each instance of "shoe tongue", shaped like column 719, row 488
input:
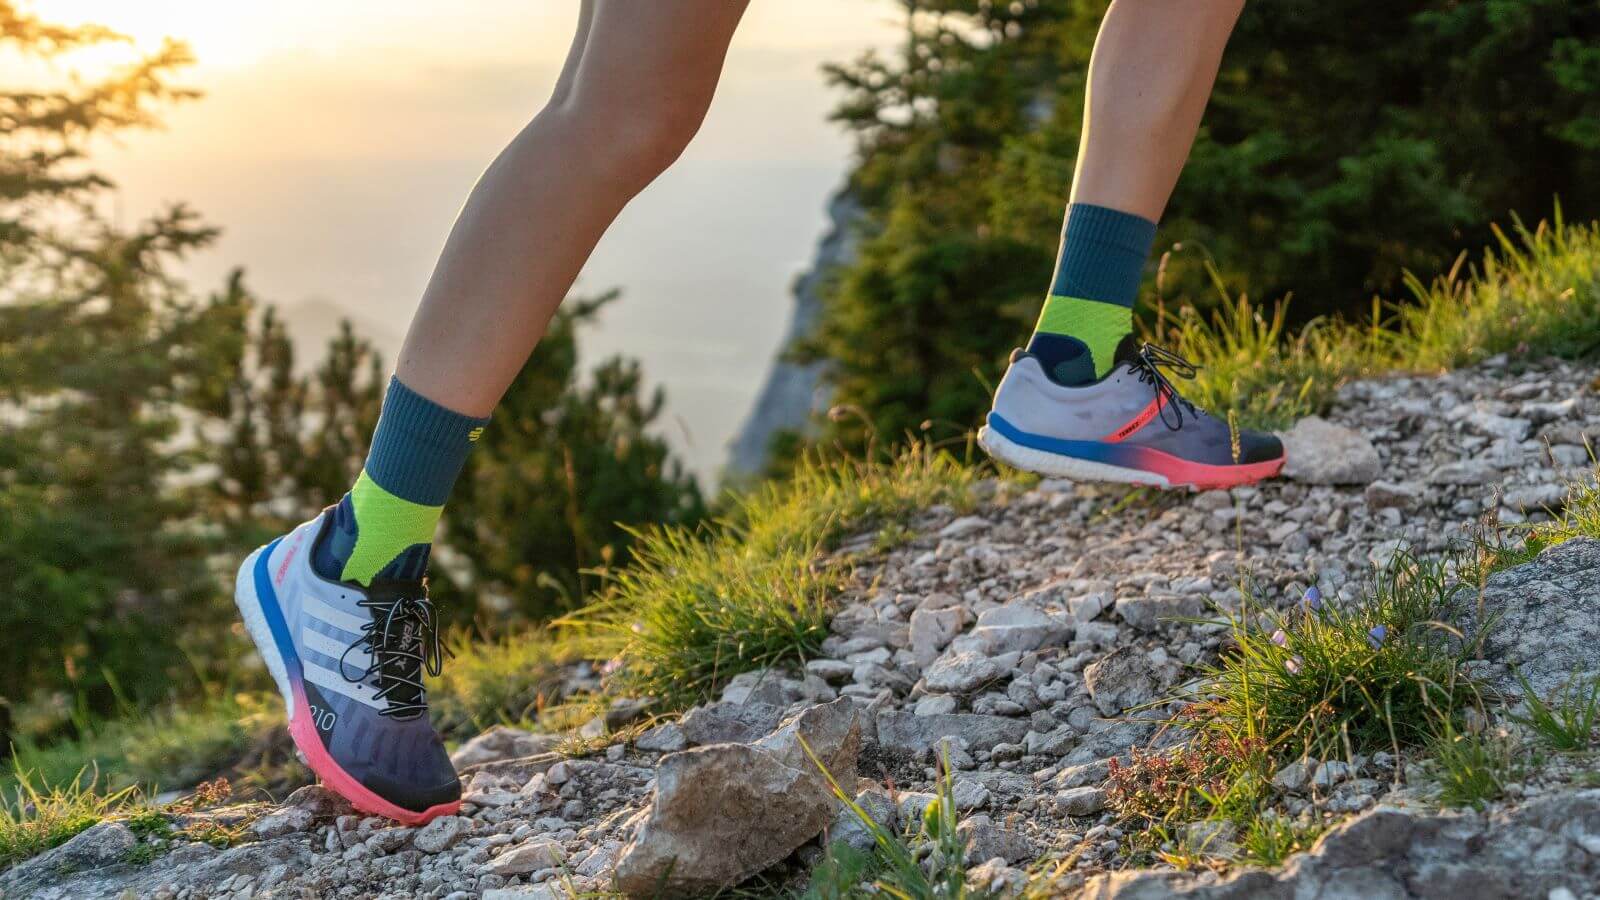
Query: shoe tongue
column 400, row 642
column 1127, row 350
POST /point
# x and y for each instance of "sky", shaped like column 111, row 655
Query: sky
column 336, row 141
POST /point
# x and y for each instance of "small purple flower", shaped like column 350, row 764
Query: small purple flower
column 1313, row 599
column 1292, row 664
column 1279, row 638
column 1376, row 635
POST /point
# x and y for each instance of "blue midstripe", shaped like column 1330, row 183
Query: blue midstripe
column 1094, row 451
column 268, row 598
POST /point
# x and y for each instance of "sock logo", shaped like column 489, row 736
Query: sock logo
column 474, row 434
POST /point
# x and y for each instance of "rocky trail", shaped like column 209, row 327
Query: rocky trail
column 1025, row 642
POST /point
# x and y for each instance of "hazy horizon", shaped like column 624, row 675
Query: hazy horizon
column 334, row 145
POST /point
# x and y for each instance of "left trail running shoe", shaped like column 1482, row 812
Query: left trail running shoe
column 349, row 661
column 1131, row 426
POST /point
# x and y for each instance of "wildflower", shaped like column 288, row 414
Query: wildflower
column 1292, row 664
column 1279, row 638
column 1376, row 635
column 1313, row 599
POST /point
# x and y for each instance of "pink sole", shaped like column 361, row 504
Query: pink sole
column 344, row 784
column 1205, row 478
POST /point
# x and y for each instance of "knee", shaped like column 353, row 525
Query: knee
column 640, row 135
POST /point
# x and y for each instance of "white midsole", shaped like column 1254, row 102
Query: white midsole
column 255, row 623
column 1058, row 466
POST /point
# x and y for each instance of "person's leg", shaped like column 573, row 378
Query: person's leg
column 1083, row 401
column 1151, row 73
column 634, row 89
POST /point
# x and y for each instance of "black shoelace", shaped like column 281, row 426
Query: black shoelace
column 402, row 641
column 1148, row 363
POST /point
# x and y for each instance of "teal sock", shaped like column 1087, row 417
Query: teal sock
column 1089, row 311
column 384, row 526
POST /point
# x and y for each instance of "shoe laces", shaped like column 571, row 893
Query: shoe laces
column 402, row 641
column 1148, row 363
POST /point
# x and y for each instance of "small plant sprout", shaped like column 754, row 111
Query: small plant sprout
column 1567, row 721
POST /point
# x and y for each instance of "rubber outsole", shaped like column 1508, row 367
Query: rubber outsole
column 1058, row 465
column 263, row 621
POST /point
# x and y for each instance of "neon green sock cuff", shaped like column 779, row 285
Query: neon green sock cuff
column 385, row 526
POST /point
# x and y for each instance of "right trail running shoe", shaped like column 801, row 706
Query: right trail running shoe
column 1131, row 426
column 349, row 661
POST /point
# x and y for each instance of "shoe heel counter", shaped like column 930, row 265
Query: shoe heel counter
column 1021, row 394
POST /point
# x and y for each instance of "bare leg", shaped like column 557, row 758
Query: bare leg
column 636, row 86
column 1153, row 67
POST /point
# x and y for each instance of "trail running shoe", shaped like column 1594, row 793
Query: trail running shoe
column 1131, row 426
column 349, row 662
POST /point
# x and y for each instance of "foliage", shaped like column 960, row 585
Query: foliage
column 564, row 472
column 498, row 679
column 1188, row 782
column 1343, row 146
column 927, row 860
column 1269, row 839
column 290, row 439
column 34, row 818
column 99, row 350
column 1473, row 767
column 1331, row 680
column 171, row 747
column 1567, row 720
column 750, row 590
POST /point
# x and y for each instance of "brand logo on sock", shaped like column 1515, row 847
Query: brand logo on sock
column 474, row 434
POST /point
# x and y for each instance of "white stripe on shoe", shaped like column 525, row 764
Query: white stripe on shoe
column 330, row 680
column 317, row 608
column 354, row 660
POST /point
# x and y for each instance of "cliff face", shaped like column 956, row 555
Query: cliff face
column 793, row 392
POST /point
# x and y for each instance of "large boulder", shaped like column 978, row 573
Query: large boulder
column 1544, row 618
column 723, row 812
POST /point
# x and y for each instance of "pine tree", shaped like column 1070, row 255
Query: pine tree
column 99, row 352
column 566, row 467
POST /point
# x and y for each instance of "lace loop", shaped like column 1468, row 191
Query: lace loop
column 402, row 642
column 1149, row 362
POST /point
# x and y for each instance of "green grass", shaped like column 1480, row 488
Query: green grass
column 1321, row 682
column 1567, row 720
column 35, row 818
column 1503, row 547
column 171, row 747
column 753, row 589
column 1537, row 293
column 1269, row 840
column 511, row 679
column 1473, row 767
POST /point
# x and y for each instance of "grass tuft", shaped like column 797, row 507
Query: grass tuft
column 753, row 589
column 1567, row 720
column 1342, row 679
column 510, row 679
column 35, row 817
column 1473, row 767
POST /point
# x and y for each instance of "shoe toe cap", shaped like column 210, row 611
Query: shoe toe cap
column 1259, row 447
column 416, row 795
